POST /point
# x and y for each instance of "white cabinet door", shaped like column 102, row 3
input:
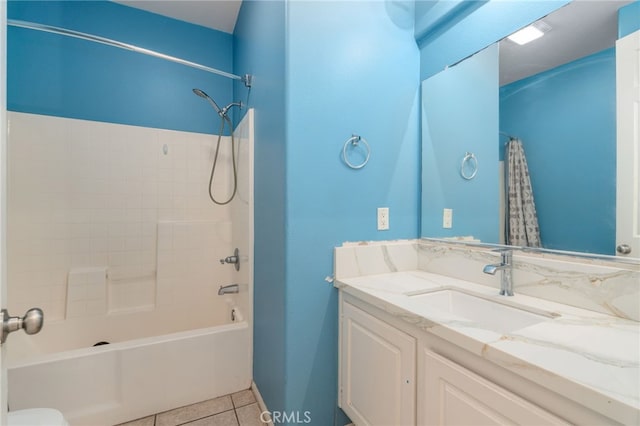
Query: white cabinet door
column 628, row 165
column 457, row 396
column 377, row 371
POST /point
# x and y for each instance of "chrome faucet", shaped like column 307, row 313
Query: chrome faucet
column 234, row 260
column 228, row 289
column 506, row 266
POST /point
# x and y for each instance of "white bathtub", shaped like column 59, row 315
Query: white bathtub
column 114, row 383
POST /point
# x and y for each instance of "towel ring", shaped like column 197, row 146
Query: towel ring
column 471, row 161
column 354, row 140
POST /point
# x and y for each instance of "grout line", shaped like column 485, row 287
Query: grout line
column 246, row 403
column 237, row 418
column 207, row 416
column 256, row 394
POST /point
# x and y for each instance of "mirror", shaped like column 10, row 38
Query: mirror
column 557, row 95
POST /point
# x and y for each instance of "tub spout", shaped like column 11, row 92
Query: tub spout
column 228, row 289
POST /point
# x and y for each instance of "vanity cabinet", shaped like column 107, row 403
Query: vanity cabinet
column 455, row 395
column 377, row 370
column 393, row 373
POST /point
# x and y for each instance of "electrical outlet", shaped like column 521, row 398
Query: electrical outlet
column 447, row 218
column 383, row 218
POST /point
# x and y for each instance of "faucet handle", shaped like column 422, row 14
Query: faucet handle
column 506, row 250
column 234, row 260
column 506, row 254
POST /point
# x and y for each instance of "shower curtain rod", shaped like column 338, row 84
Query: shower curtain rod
column 246, row 79
column 508, row 135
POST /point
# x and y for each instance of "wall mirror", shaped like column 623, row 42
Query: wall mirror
column 557, row 95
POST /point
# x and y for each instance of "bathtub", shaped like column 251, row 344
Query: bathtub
column 111, row 384
column 173, row 340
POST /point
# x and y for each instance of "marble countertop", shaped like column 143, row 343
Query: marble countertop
column 589, row 357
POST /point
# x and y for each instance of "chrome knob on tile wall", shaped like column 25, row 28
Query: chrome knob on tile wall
column 234, row 260
column 623, row 249
column 31, row 322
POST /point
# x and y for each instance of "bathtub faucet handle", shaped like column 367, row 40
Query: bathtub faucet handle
column 31, row 322
column 234, row 260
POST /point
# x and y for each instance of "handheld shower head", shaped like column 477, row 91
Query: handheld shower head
column 200, row 93
column 224, row 118
column 222, row 112
column 213, row 103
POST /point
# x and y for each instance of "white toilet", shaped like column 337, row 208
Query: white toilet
column 36, row 417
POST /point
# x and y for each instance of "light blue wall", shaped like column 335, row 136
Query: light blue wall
column 352, row 67
column 628, row 19
column 459, row 115
column 566, row 118
column 260, row 50
column 473, row 26
column 433, row 18
column 336, row 76
column 55, row 75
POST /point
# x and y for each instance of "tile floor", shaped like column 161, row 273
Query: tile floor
column 238, row 409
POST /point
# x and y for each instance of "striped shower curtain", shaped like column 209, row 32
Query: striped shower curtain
column 522, row 220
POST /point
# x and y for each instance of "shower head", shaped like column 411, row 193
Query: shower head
column 200, row 93
column 213, row 103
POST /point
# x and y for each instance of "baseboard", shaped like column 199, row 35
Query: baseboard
column 260, row 401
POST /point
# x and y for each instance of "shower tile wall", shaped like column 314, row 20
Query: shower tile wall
column 86, row 194
column 192, row 249
column 86, row 292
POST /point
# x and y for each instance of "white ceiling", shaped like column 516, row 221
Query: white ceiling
column 219, row 15
column 578, row 29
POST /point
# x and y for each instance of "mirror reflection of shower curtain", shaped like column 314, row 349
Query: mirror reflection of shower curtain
column 522, row 221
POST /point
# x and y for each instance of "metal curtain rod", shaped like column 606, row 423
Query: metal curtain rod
column 246, row 79
column 508, row 135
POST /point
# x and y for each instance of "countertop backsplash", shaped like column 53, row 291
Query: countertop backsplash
column 604, row 286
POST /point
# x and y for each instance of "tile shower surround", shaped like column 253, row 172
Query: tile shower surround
column 86, row 194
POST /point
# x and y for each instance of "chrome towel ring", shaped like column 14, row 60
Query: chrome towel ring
column 469, row 166
column 354, row 141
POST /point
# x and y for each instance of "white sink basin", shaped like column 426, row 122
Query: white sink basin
column 485, row 313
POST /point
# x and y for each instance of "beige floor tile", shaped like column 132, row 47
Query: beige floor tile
column 242, row 398
column 249, row 415
column 228, row 418
column 145, row 421
column 194, row 411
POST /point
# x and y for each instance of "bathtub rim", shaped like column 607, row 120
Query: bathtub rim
column 133, row 343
